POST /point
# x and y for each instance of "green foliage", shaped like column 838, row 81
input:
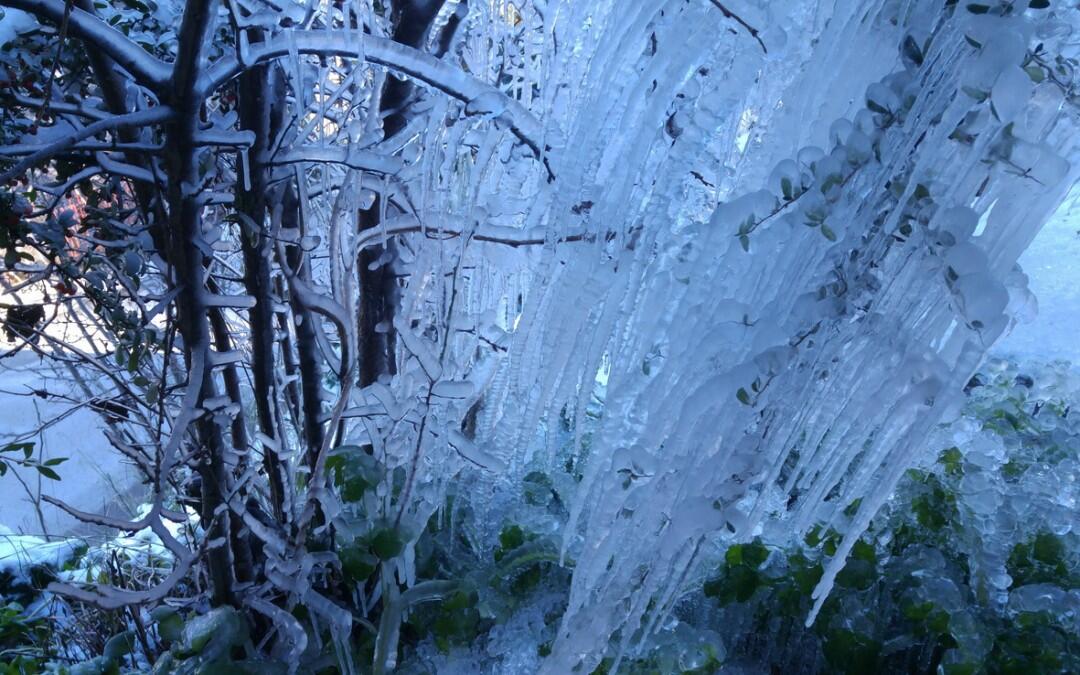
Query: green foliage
column 739, row 577
column 10, row 456
column 386, row 543
column 23, row 641
column 354, row 471
column 170, row 624
column 847, row 651
column 908, row 598
column 951, row 460
column 1041, row 560
column 934, row 505
column 357, row 561
column 206, row 644
column 1034, row 643
column 455, row 621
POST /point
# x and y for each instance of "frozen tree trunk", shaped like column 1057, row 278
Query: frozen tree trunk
column 260, row 101
column 186, row 246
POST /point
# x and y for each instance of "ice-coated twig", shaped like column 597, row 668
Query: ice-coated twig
column 754, row 33
column 402, row 58
column 99, row 519
column 349, row 156
column 135, row 119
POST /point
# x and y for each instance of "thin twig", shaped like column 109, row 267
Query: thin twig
column 754, row 33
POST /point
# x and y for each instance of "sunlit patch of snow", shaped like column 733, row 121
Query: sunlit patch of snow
column 1052, row 264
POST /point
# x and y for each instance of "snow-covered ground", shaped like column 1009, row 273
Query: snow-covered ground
column 93, row 478
column 1052, row 264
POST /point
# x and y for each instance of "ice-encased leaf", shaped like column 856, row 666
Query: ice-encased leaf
column 1010, row 93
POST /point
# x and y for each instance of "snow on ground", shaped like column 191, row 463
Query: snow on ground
column 1052, row 264
column 93, row 479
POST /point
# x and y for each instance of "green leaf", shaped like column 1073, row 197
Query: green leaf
column 47, row 472
column 827, row 231
column 832, row 542
column 357, row 563
column 511, row 537
column 733, row 556
column 212, row 634
column 851, row 509
column 951, row 459
column 1036, row 73
column 911, row 50
column 119, row 645
column 787, row 189
column 55, row 460
column 806, row 575
column 864, row 551
column 744, row 241
column 918, row 611
column 850, row 652
column 538, row 489
column 978, row 9
column 745, row 581
column 354, row 471
column 387, row 543
column 743, row 397
column 874, row 107
column 170, row 624
column 754, row 554
column 737, row 584
column 859, row 575
column 1048, row 549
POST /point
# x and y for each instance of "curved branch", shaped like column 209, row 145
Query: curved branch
column 99, row 519
column 393, row 55
column 354, row 158
column 147, row 70
column 137, row 118
column 113, row 597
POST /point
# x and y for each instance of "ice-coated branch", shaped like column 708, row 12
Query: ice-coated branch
column 112, row 597
column 99, row 35
column 393, row 55
column 135, row 119
column 354, row 158
column 98, row 519
column 329, row 308
column 448, row 226
column 59, row 107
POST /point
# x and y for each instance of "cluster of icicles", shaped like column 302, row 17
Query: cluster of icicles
column 772, row 360
column 774, row 330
